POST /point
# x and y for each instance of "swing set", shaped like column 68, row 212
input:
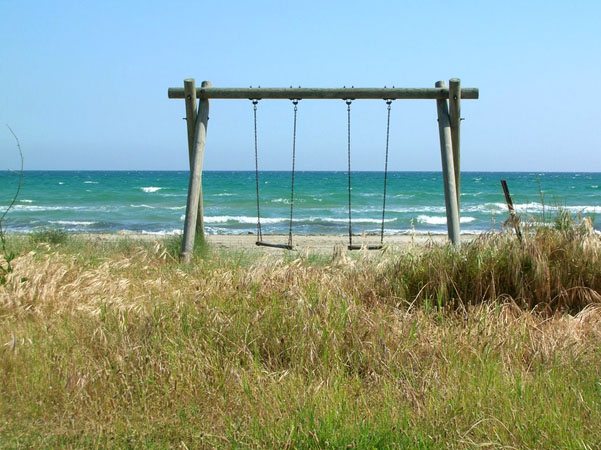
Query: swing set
column 289, row 245
column 197, row 120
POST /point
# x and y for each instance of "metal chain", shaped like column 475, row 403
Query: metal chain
column 350, row 220
column 259, row 232
column 350, row 223
column 295, row 103
column 388, row 106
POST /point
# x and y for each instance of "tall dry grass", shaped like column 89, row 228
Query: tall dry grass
column 556, row 270
column 497, row 344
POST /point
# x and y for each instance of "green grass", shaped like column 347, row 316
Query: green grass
column 50, row 236
column 119, row 345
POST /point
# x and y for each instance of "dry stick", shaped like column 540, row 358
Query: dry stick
column 9, row 256
column 20, row 176
column 514, row 217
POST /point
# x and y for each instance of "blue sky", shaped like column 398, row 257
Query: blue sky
column 84, row 84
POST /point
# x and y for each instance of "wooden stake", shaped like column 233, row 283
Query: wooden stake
column 514, row 217
column 448, row 171
column 194, row 207
column 455, row 115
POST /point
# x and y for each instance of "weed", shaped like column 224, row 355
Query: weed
column 53, row 236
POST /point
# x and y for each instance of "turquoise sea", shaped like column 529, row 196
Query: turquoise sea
column 154, row 202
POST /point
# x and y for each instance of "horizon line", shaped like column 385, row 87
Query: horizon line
column 298, row 171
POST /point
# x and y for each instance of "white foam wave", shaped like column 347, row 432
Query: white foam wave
column 224, row 194
column 51, row 208
column 176, row 207
column 580, row 209
column 418, row 209
column 432, row 220
column 90, row 182
column 534, row 207
column 345, row 220
column 71, row 222
column 142, row 206
column 281, row 200
column 438, row 220
column 243, row 219
column 26, row 201
column 151, row 189
column 60, row 182
column 174, row 231
column 253, row 220
column 498, row 208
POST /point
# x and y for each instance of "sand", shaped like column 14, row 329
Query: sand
column 304, row 243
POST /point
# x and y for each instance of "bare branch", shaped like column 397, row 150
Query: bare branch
column 20, row 178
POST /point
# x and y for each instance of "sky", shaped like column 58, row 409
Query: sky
column 84, row 84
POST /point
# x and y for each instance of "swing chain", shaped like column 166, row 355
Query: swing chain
column 348, row 102
column 259, row 231
column 388, row 107
column 295, row 103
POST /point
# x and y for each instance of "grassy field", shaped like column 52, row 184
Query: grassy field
column 116, row 344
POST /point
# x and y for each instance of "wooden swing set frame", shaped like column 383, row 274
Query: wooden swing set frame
column 448, row 102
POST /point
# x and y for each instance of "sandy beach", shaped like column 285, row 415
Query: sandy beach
column 323, row 243
column 303, row 243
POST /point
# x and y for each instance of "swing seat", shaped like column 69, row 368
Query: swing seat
column 367, row 247
column 267, row 244
column 260, row 241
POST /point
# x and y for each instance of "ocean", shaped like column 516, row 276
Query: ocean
column 154, row 202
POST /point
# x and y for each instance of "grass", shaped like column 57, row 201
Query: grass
column 50, row 236
column 118, row 345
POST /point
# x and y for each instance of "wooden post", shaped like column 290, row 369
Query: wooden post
column 194, row 207
column 448, row 171
column 324, row 93
column 200, row 224
column 191, row 114
column 455, row 115
column 190, row 93
column 512, row 214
